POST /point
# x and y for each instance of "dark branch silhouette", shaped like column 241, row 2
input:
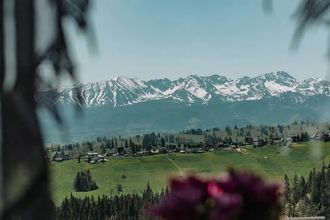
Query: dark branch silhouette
column 25, row 177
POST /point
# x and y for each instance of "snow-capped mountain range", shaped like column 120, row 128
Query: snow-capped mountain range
column 123, row 91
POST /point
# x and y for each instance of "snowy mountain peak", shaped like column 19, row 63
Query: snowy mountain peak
column 122, row 91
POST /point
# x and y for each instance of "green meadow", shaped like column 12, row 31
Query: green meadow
column 133, row 173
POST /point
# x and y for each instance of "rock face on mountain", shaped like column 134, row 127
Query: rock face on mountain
column 123, row 91
column 123, row 106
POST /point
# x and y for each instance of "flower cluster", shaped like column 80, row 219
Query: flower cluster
column 240, row 195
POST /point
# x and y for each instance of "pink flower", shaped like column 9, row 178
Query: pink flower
column 241, row 195
column 185, row 200
column 213, row 189
column 258, row 197
column 227, row 207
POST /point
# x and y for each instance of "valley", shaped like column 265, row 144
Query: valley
column 273, row 162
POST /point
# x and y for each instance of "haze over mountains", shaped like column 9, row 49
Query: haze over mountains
column 123, row 105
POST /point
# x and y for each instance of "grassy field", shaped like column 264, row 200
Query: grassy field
column 271, row 161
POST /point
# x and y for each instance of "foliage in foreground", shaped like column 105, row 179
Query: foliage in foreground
column 240, row 195
column 308, row 197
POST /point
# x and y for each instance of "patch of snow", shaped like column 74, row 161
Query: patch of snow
column 197, row 91
column 173, row 89
column 150, row 97
column 276, row 88
column 227, row 89
column 190, row 100
column 256, row 97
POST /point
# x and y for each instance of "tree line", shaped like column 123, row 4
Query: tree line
column 308, row 196
column 118, row 207
column 191, row 139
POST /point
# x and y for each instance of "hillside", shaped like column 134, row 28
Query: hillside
column 271, row 161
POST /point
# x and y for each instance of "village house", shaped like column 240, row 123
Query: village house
column 59, row 156
column 221, row 145
column 94, row 157
column 321, row 135
column 154, row 151
column 197, row 150
column 276, row 140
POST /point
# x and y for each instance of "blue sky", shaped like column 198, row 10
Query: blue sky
column 175, row 38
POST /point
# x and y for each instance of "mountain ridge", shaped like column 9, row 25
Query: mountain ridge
column 193, row 89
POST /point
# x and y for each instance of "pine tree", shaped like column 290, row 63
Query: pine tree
column 119, row 188
column 302, row 187
column 77, row 182
column 84, row 182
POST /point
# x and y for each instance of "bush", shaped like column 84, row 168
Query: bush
column 119, row 188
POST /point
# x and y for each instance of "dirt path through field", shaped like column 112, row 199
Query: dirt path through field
column 175, row 164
